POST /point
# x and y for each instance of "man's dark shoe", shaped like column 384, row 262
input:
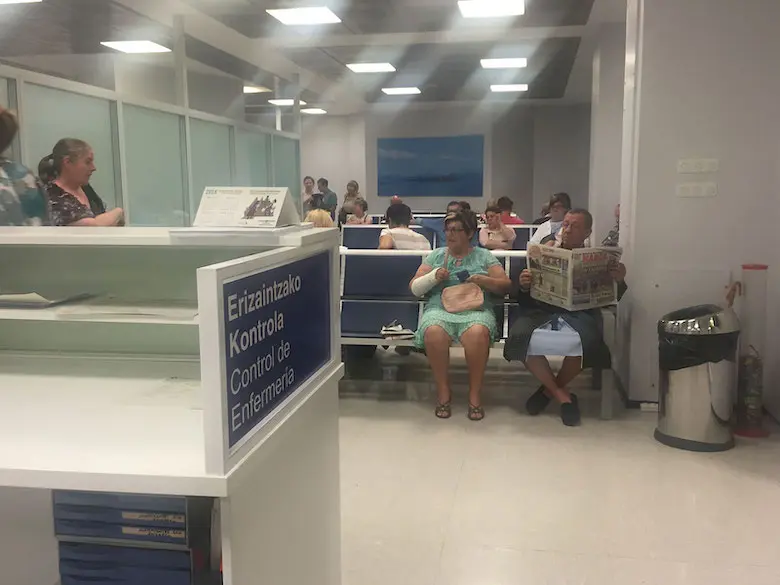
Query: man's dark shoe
column 538, row 401
column 570, row 413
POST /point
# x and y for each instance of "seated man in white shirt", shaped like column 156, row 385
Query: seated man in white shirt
column 560, row 204
column 398, row 236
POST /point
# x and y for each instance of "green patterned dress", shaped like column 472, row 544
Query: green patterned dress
column 478, row 261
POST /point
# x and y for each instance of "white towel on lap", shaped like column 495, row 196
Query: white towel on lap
column 563, row 342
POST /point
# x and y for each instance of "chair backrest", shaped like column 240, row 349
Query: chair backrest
column 379, row 276
column 516, row 266
column 358, row 237
column 522, row 239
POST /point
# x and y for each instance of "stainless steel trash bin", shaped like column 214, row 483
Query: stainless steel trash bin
column 697, row 349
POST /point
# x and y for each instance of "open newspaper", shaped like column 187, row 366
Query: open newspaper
column 573, row 279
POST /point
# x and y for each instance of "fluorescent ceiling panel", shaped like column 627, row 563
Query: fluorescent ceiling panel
column 285, row 102
column 19, row 1
column 136, row 47
column 401, row 90
column 304, row 16
column 491, row 8
column 509, row 88
column 371, row 67
column 513, row 63
column 313, row 111
column 255, row 89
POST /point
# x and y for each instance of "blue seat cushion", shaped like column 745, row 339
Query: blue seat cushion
column 366, row 318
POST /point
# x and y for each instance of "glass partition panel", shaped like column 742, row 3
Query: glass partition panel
column 287, row 165
column 253, row 159
column 210, row 158
column 52, row 114
column 4, row 102
column 155, row 160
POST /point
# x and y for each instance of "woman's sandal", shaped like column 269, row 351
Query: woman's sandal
column 443, row 410
column 475, row 413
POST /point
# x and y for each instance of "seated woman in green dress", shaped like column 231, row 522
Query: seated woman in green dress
column 474, row 329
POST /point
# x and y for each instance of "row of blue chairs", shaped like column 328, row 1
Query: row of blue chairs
column 366, row 237
column 376, row 291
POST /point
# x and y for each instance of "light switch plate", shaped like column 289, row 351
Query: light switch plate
column 703, row 189
column 698, row 165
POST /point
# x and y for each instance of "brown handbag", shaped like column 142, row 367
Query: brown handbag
column 461, row 297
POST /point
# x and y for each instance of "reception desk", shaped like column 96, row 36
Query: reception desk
column 196, row 366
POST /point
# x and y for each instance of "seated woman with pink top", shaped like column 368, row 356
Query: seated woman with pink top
column 495, row 235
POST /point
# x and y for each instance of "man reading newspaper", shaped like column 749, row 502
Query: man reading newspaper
column 563, row 277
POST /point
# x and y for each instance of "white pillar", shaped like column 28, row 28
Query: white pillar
column 606, row 127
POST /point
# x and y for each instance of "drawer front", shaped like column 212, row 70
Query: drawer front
column 117, row 516
column 73, row 552
column 141, row 503
column 120, row 531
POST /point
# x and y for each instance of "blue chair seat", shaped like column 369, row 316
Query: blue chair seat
column 361, row 318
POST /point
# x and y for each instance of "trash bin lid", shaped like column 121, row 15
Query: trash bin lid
column 700, row 320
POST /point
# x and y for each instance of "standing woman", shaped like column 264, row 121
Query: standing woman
column 474, row 328
column 350, row 197
column 22, row 198
column 72, row 201
column 308, row 194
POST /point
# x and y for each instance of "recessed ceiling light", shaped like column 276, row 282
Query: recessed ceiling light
column 491, row 8
column 285, row 102
column 313, row 111
column 510, row 87
column 401, row 90
column 136, row 47
column 514, row 63
column 19, row 1
column 371, row 67
column 255, row 89
column 304, row 16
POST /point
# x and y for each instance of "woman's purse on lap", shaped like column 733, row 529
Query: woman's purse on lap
column 461, row 297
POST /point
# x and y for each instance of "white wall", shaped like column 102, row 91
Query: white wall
column 561, row 153
column 606, row 137
column 517, row 143
column 334, row 148
column 701, row 97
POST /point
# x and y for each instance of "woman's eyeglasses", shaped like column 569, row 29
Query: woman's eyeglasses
column 454, row 230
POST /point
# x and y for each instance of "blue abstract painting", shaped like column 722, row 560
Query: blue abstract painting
column 448, row 166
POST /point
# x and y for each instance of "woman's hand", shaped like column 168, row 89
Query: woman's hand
column 526, row 279
column 478, row 279
column 442, row 274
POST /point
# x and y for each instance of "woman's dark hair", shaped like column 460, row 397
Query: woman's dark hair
column 505, row 204
column 464, row 205
column 562, row 198
column 8, row 129
column 467, row 218
column 50, row 166
column 493, row 209
column 399, row 214
column 360, row 202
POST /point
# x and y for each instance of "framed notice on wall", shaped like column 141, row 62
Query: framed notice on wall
column 446, row 166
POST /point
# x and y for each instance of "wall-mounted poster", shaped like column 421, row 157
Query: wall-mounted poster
column 447, row 166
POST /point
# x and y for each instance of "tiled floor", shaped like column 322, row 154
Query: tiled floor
column 520, row 500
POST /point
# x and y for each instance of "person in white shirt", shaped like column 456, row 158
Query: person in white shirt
column 560, row 204
column 398, row 236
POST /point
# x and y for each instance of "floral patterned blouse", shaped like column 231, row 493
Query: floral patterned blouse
column 22, row 197
column 66, row 209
